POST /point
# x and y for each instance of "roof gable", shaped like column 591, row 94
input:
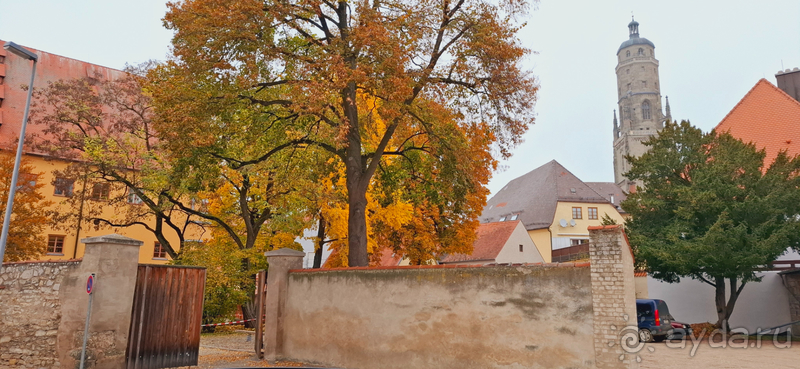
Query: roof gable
column 767, row 117
column 535, row 195
column 490, row 240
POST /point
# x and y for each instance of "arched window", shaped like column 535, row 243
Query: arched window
column 646, row 110
column 628, row 54
column 641, row 51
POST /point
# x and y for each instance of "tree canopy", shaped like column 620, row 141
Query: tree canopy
column 30, row 216
column 710, row 209
column 438, row 77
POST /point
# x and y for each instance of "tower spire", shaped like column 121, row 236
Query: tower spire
column 669, row 113
column 633, row 27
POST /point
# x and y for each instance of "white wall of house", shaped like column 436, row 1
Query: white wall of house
column 510, row 252
column 762, row 304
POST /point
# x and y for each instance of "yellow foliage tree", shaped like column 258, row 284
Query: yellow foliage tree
column 26, row 240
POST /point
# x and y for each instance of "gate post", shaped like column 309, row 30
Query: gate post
column 280, row 262
column 114, row 259
column 616, row 333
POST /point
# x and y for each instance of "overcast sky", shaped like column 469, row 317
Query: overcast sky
column 710, row 52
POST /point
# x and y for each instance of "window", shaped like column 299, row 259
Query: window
column 628, row 53
column 63, row 187
column 101, row 191
column 641, row 51
column 646, row 110
column 158, row 251
column 2, row 79
column 55, row 244
column 133, row 198
column 27, row 182
column 576, row 213
column 502, row 219
column 629, row 86
column 592, row 213
column 514, row 217
column 520, row 248
column 578, row 241
column 644, row 84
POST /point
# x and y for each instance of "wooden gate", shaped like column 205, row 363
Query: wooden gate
column 166, row 319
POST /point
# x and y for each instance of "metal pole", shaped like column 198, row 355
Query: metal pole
column 12, row 187
column 86, row 327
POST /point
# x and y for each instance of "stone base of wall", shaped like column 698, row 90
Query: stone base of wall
column 30, row 312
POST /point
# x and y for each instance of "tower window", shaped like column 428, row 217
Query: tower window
column 641, row 51
column 628, row 53
column 646, row 110
column 644, row 84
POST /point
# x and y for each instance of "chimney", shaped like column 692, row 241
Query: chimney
column 789, row 82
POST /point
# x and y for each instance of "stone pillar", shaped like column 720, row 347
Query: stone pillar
column 616, row 340
column 280, row 262
column 114, row 259
column 791, row 280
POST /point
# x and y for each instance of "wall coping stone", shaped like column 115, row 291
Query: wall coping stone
column 447, row 266
column 78, row 260
column 113, row 238
column 284, row 252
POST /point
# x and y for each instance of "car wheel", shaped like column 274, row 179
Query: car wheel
column 645, row 335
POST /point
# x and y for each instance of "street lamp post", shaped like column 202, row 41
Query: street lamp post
column 12, row 187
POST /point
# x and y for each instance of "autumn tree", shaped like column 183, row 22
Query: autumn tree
column 710, row 209
column 26, row 240
column 118, row 176
column 301, row 65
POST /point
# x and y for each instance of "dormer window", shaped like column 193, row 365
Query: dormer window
column 514, row 217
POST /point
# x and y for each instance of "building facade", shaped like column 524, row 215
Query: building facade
column 63, row 239
column 639, row 102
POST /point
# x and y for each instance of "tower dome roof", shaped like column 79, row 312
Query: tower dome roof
column 634, row 39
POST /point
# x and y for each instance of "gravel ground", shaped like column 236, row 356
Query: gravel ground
column 767, row 356
column 231, row 350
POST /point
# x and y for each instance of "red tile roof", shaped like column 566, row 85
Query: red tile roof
column 767, row 117
column 491, row 239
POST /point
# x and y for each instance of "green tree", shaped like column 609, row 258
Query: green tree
column 301, row 66
column 710, row 209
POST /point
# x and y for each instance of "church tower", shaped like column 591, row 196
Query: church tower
column 639, row 100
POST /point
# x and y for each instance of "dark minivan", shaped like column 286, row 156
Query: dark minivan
column 655, row 322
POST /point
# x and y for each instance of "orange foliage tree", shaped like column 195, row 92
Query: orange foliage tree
column 26, row 240
column 302, row 64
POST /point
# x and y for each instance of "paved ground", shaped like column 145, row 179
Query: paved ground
column 767, row 356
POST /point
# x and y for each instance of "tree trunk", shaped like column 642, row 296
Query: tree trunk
column 725, row 308
column 357, row 229
column 320, row 243
column 357, row 183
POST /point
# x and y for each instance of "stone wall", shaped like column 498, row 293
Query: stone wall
column 792, row 283
column 514, row 316
column 441, row 317
column 30, row 312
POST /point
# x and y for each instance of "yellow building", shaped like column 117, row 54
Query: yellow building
column 64, row 239
column 555, row 207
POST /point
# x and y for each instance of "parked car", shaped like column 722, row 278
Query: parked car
column 655, row 322
column 679, row 330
